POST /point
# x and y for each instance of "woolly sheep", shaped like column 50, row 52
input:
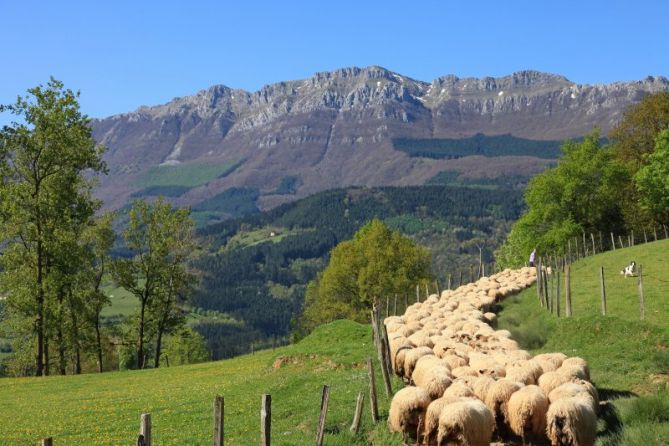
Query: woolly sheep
column 573, row 389
column 550, row 361
column 525, row 371
column 526, row 413
column 435, row 380
column 399, row 357
column 467, row 422
column 550, row 380
column 579, row 362
column 497, row 399
column 459, row 388
column 406, row 408
column 465, row 370
column 431, row 424
column 571, row 422
column 454, row 361
column 411, row 357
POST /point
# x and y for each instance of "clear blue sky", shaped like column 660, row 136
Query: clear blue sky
column 123, row 54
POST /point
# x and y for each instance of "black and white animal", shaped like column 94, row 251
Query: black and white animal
column 629, row 270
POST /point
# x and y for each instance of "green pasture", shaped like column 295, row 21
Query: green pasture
column 104, row 409
column 628, row 358
column 186, row 174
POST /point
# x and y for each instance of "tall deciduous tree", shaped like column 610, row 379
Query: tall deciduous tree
column 652, row 180
column 43, row 190
column 579, row 194
column 161, row 238
column 376, row 263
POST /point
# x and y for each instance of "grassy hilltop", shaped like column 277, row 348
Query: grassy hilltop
column 628, row 358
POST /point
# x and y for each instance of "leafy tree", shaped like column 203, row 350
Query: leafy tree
column 633, row 140
column 652, row 180
column 185, row 347
column 377, row 262
column 635, row 135
column 161, row 238
column 43, row 191
column 579, row 194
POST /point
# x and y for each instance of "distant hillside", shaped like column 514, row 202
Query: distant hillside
column 341, row 128
column 255, row 268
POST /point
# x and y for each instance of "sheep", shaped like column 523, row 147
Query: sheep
column 576, row 362
column 459, row 388
column 454, row 361
column 400, row 356
column 571, row 422
column 550, row 380
column 467, row 422
column 480, row 385
column 406, row 409
column 526, row 411
column 412, row 356
column 497, row 399
column 525, row 371
column 550, row 361
column 435, row 380
column 576, row 388
column 465, row 370
column 431, row 423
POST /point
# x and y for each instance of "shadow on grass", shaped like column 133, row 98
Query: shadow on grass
column 612, row 427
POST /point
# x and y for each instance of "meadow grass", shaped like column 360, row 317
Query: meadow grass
column 186, row 174
column 628, row 357
column 105, row 408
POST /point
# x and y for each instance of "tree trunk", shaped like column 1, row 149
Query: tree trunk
column 156, row 363
column 39, row 319
column 140, row 341
column 62, row 362
column 99, row 342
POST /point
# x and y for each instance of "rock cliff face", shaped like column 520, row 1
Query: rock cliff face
column 336, row 128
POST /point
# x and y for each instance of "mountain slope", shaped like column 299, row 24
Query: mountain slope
column 336, row 129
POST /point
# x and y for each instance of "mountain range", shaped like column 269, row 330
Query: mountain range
column 225, row 152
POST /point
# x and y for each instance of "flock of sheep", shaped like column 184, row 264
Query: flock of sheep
column 470, row 384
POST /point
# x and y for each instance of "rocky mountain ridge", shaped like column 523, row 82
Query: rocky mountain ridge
column 336, row 128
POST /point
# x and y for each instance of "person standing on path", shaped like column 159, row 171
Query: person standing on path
column 533, row 255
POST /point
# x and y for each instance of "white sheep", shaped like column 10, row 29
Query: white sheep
column 431, row 423
column 577, row 387
column 526, row 412
column 467, row 422
column 571, row 422
column 407, row 407
column 497, row 399
column 435, row 380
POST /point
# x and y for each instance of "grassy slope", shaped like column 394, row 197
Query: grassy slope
column 105, row 409
column 627, row 357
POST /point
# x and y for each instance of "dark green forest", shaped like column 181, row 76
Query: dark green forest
column 254, row 269
column 479, row 144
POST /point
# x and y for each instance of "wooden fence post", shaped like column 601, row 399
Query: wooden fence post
column 567, row 291
column 629, row 241
column 642, row 304
column 395, row 306
column 569, row 242
column 538, row 267
column 546, row 285
column 427, row 290
column 436, row 285
column 620, row 240
column 417, row 292
column 632, row 238
column 387, row 306
column 324, row 410
column 219, row 405
column 585, row 249
column 449, row 281
column 655, row 233
column 665, row 231
column 613, row 242
column 460, row 281
column 266, row 420
column 557, row 294
column 552, row 288
column 372, row 391
column 144, row 430
column 357, row 415
column 384, row 359
column 645, row 240
column 46, row 442
column 603, row 289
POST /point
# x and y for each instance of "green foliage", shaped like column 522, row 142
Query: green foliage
column 635, row 135
column 186, row 174
column 235, row 202
column 45, row 208
column 580, row 194
column 162, row 239
column 185, row 347
column 479, row 144
column 377, row 262
column 652, row 180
